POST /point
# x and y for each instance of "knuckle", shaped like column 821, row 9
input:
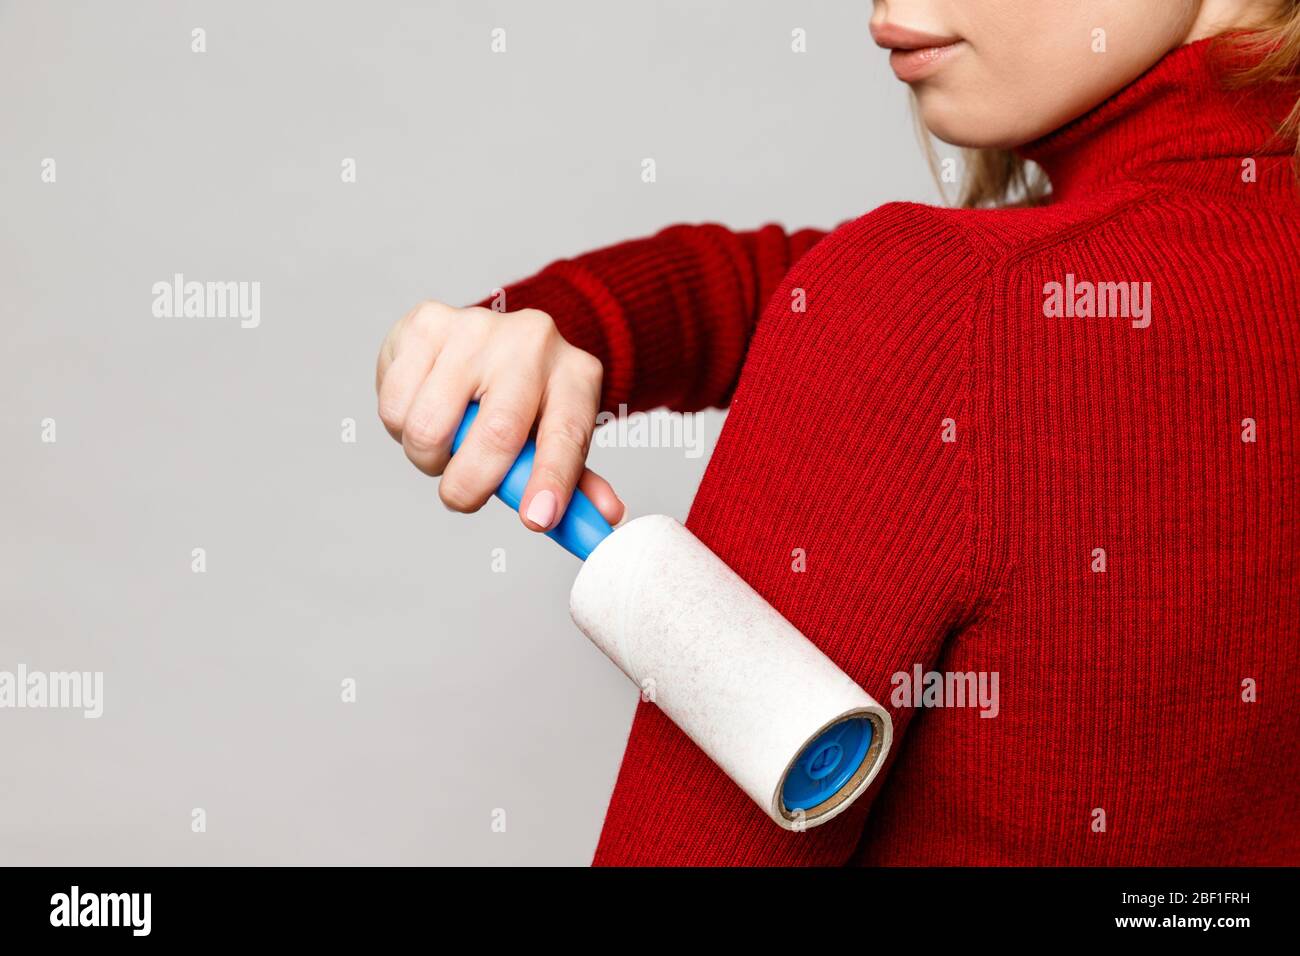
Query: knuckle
column 426, row 316
column 504, row 431
column 390, row 415
column 569, row 437
column 537, row 326
column 588, row 366
column 456, row 496
column 473, row 324
column 536, row 317
column 422, row 466
column 421, row 433
column 419, row 459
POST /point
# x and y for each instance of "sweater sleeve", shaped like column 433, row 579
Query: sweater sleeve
column 854, row 443
column 669, row 316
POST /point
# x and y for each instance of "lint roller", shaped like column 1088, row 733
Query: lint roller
column 792, row 730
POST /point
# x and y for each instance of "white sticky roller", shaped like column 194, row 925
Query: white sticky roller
column 750, row 690
column 775, row 713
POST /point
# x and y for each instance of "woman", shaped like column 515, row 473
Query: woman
column 1053, row 440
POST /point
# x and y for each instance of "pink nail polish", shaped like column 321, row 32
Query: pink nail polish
column 541, row 510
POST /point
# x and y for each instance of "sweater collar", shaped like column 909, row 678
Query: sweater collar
column 1178, row 124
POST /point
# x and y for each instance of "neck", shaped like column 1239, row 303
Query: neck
column 1181, row 124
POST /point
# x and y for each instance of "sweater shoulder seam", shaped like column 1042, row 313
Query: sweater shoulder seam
column 984, row 574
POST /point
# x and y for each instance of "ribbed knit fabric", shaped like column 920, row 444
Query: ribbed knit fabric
column 1097, row 532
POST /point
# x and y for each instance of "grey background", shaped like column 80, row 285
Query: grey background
column 329, row 560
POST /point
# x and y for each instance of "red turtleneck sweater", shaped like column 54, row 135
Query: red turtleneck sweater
column 1100, row 509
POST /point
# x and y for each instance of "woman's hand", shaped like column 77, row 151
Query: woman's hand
column 439, row 358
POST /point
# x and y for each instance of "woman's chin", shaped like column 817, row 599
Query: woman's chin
column 964, row 125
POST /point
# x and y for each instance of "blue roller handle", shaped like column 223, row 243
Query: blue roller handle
column 581, row 528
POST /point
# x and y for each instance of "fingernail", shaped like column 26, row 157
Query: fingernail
column 541, row 510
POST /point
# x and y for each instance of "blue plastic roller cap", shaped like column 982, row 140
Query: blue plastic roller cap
column 826, row 764
column 581, row 528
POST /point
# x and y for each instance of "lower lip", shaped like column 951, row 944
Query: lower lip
column 912, row 65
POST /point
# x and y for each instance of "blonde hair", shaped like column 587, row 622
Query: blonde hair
column 998, row 177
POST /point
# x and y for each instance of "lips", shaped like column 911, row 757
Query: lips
column 914, row 54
